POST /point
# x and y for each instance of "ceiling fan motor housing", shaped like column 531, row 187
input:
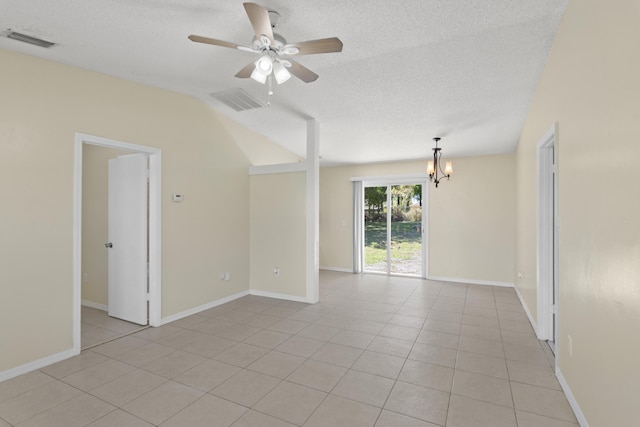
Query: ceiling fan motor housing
column 278, row 43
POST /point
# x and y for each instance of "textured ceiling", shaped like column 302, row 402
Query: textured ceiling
column 465, row 70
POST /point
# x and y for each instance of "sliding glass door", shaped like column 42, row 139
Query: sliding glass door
column 393, row 232
column 375, row 229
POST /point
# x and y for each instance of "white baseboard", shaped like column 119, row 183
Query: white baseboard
column 95, row 305
column 230, row 298
column 342, row 270
column 471, row 281
column 278, row 296
column 203, row 307
column 526, row 310
column 572, row 400
column 36, row 364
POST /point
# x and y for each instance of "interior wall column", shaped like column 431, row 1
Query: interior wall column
column 313, row 211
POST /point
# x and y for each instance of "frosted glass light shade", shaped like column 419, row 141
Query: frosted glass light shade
column 259, row 76
column 448, row 168
column 264, row 65
column 281, row 73
column 430, row 168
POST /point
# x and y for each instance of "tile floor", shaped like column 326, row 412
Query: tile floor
column 97, row 327
column 376, row 351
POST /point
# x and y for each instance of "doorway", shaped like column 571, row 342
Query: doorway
column 548, row 238
column 84, row 143
column 393, row 236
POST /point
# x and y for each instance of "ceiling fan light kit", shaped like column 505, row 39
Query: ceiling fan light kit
column 274, row 49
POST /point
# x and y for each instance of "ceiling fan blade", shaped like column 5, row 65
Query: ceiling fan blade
column 259, row 17
column 329, row 45
column 215, row 42
column 246, row 71
column 302, row 72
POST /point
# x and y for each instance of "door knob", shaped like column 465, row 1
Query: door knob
column 108, row 245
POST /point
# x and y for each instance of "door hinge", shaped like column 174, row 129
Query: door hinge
column 554, row 309
column 148, row 297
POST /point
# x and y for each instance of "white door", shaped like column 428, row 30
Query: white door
column 127, row 244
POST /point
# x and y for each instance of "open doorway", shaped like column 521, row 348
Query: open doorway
column 98, row 321
column 93, row 294
column 548, row 289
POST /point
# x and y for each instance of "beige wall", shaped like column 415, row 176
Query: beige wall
column 477, row 246
column 590, row 86
column 472, row 221
column 95, row 194
column 278, row 233
column 42, row 105
column 258, row 149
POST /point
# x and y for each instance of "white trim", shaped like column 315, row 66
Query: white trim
column 471, row 281
column 545, row 233
column 155, row 227
column 36, row 364
column 155, row 239
column 357, row 209
column 582, row 420
column 279, row 168
column 425, row 229
column 406, row 276
column 373, row 181
column 95, row 305
column 389, row 214
column 275, row 295
column 526, row 310
column 207, row 306
column 313, row 212
column 77, row 245
column 340, row 269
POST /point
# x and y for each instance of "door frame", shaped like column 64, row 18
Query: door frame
column 391, row 180
column 155, row 227
column 547, row 235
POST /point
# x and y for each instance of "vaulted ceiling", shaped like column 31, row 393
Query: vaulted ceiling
column 410, row 70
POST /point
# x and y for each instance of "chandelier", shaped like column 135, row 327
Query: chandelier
column 434, row 167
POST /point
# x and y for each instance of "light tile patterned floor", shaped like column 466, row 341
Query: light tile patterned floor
column 376, row 351
column 97, row 327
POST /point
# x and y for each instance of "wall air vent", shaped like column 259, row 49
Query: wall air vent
column 28, row 39
column 238, row 99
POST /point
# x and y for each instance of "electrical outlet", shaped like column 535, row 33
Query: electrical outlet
column 520, row 275
column 570, row 342
column 276, row 271
column 227, row 275
column 85, row 278
column 222, row 276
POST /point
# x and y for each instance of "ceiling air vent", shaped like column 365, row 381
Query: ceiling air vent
column 28, row 39
column 238, row 99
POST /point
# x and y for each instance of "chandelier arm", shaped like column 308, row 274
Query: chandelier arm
column 439, row 164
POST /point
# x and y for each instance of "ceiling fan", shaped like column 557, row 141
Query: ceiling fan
column 274, row 50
